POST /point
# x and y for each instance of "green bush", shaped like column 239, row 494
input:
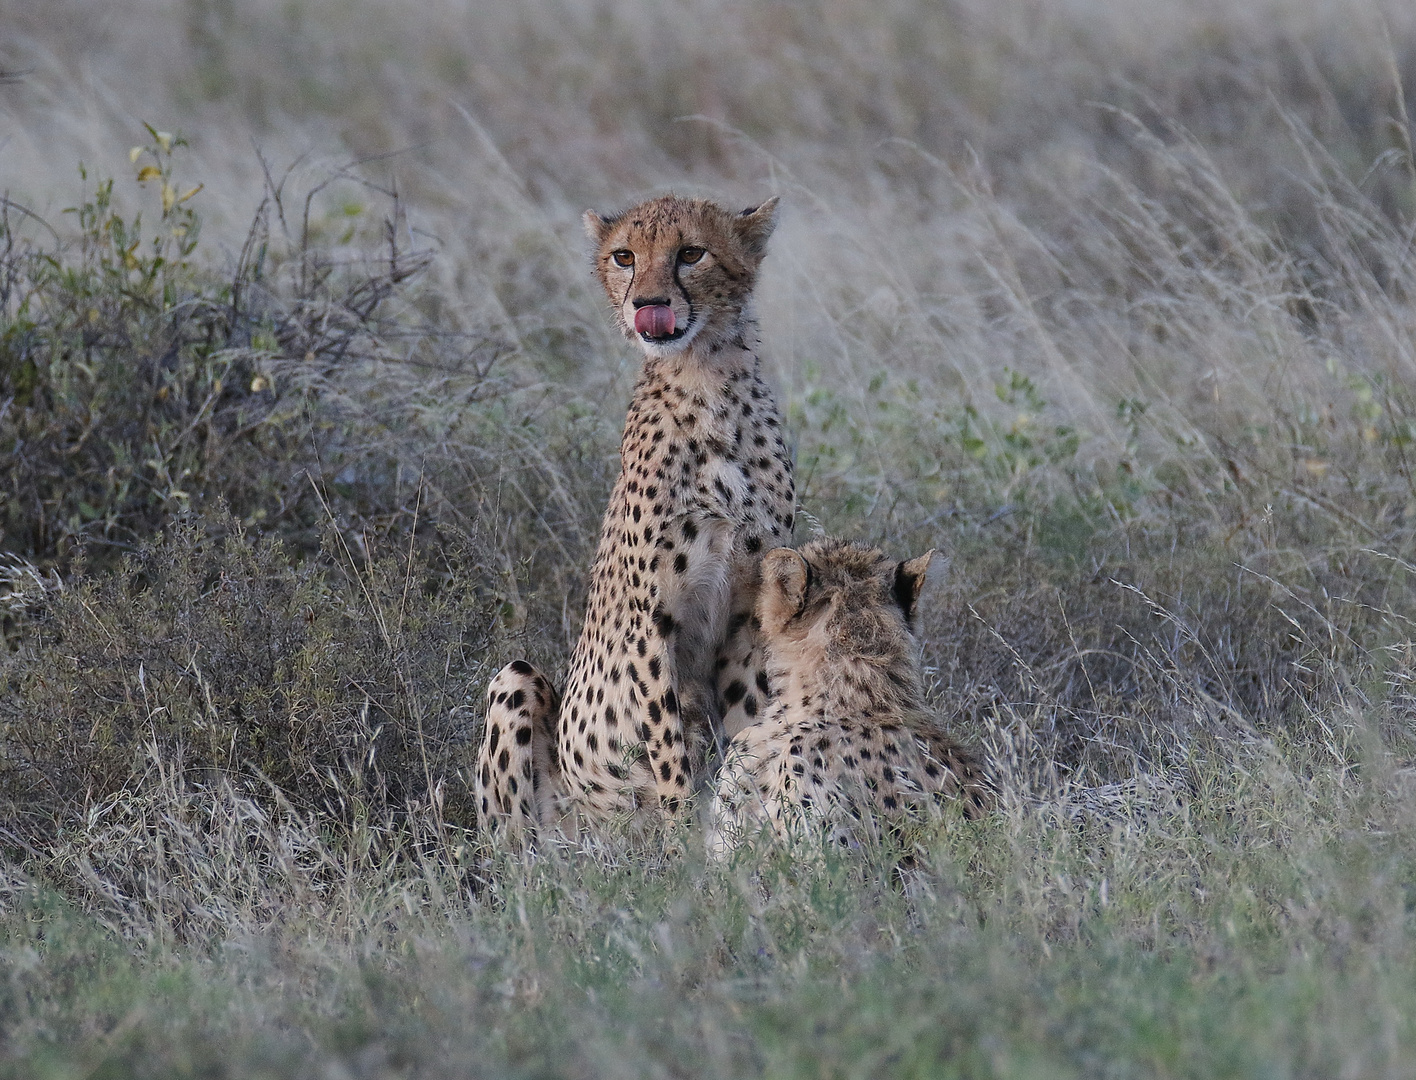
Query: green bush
column 139, row 384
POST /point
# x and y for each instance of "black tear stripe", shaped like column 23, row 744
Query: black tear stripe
column 688, row 300
column 628, row 285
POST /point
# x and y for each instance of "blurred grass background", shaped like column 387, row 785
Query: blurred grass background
column 308, row 413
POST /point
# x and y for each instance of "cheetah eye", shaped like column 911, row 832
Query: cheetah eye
column 691, row 255
column 623, row 257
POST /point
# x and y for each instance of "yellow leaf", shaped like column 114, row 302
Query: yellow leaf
column 148, row 172
column 259, row 383
column 189, row 194
column 135, row 153
column 169, row 196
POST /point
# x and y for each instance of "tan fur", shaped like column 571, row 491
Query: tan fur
column 849, row 741
column 667, row 662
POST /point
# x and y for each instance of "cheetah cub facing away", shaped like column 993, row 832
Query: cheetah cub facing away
column 848, row 741
column 667, row 661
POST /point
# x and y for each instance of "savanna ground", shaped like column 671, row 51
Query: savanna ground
column 308, row 411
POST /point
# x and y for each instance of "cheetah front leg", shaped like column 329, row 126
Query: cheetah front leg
column 518, row 773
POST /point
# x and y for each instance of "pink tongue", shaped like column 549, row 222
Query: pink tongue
column 655, row 321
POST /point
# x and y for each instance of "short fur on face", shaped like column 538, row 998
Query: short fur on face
column 689, row 255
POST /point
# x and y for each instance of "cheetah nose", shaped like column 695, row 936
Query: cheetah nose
column 654, row 321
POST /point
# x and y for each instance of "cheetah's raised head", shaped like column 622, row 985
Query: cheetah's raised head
column 680, row 272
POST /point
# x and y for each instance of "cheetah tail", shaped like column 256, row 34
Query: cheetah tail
column 517, row 771
column 972, row 784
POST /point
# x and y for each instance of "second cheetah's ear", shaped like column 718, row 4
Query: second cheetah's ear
column 784, row 579
column 755, row 224
column 909, row 583
column 597, row 227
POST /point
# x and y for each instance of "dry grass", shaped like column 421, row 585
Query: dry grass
column 1112, row 302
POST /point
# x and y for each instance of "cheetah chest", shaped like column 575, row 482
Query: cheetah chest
column 705, row 485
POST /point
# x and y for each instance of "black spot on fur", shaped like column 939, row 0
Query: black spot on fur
column 663, row 620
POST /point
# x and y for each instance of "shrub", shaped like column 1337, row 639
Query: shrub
column 346, row 693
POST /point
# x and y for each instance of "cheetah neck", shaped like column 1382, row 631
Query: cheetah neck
column 704, row 366
column 838, row 686
column 701, row 391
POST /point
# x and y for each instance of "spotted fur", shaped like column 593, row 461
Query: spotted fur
column 849, row 742
column 667, row 663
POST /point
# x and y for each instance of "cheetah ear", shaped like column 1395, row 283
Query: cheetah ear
column 909, row 582
column 597, row 227
column 784, row 579
column 755, row 224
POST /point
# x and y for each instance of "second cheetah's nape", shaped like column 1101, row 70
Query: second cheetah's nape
column 849, row 743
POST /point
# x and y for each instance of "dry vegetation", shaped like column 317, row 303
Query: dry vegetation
column 1115, row 303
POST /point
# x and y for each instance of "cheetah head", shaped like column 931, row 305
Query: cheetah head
column 680, row 272
column 834, row 600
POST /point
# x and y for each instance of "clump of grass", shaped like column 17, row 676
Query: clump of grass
column 1255, row 921
column 345, row 692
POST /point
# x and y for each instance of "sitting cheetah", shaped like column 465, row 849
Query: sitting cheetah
column 848, row 738
column 667, row 661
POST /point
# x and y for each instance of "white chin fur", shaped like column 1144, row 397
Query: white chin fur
column 668, row 348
